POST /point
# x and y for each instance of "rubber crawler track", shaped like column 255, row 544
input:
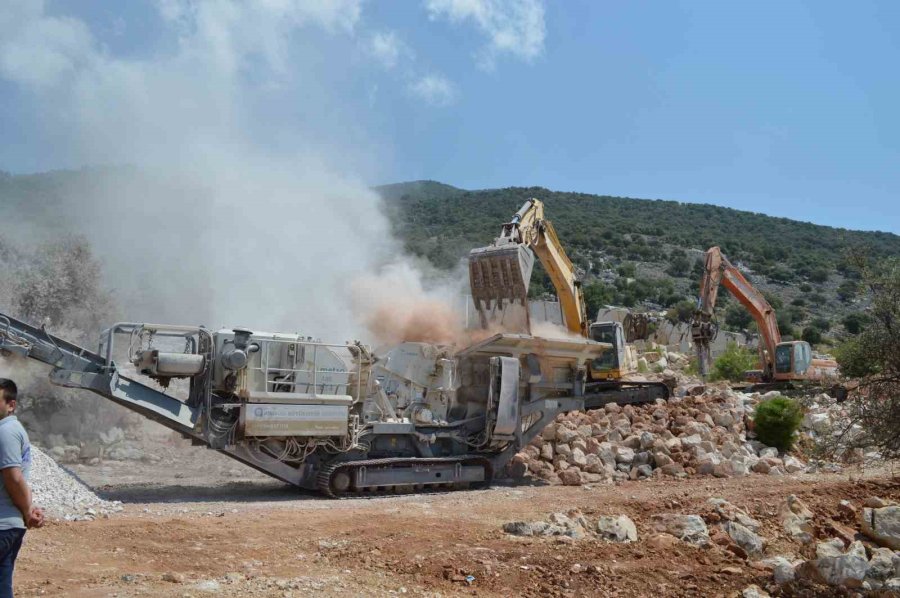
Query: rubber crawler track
column 326, row 474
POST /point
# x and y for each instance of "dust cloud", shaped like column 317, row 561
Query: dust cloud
column 243, row 206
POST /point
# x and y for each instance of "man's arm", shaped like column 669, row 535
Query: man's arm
column 18, row 490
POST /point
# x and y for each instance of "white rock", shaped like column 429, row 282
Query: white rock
column 754, row 591
column 578, row 458
column 817, row 422
column 691, row 441
column 62, row 495
column 617, row 529
column 885, row 563
column 882, row 525
column 689, row 528
column 209, row 585
column 624, row 454
column 783, row 571
column 564, row 435
column 847, row 569
column 746, row 539
column 793, row 465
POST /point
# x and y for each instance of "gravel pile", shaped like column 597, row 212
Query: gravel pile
column 61, row 494
column 706, row 434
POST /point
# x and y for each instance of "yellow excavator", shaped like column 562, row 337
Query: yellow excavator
column 499, row 276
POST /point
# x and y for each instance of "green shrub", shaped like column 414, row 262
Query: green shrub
column 854, row 323
column 737, row 317
column 812, row 335
column 777, row 420
column 733, row 362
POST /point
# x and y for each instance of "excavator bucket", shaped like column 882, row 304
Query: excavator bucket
column 500, row 274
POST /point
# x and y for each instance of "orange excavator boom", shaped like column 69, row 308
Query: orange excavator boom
column 719, row 270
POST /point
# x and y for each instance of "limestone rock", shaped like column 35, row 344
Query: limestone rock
column 848, row 569
column 624, row 454
column 752, row 544
column 689, row 528
column 617, row 529
column 795, row 516
column 770, row 452
column 782, row 570
column 885, row 564
column 570, row 477
column 882, row 525
column 518, row 528
column 793, row 465
column 754, row 591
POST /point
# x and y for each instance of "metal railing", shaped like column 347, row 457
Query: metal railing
column 306, row 375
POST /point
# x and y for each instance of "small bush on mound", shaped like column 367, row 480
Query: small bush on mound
column 732, row 364
column 777, row 420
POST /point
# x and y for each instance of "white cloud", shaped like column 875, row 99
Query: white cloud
column 39, row 50
column 435, row 89
column 514, row 27
column 387, row 48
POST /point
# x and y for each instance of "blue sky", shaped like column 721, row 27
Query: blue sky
column 786, row 108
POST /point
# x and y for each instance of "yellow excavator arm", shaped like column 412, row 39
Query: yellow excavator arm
column 499, row 274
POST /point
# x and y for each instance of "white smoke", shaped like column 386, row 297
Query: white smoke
column 220, row 224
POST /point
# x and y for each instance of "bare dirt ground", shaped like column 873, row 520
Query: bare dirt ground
column 196, row 524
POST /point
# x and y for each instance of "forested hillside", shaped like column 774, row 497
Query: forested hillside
column 637, row 252
column 632, row 252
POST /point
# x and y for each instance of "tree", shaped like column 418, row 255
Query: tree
column 873, row 356
column 774, row 300
column 679, row 265
column 776, row 421
column 627, row 270
column 812, row 335
column 682, row 311
column 61, row 283
column 733, row 363
column 817, row 299
column 847, row 291
column 819, row 275
column 784, row 321
column 853, row 323
column 737, row 317
column 822, row 324
column 596, row 295
column 781, row 275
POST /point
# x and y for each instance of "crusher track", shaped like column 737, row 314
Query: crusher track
column 328, row 475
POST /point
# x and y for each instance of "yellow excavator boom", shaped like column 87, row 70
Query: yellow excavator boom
column 499, row 273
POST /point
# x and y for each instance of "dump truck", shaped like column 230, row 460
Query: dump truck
column 499, row 276
column 780, row 361
column 339, row 419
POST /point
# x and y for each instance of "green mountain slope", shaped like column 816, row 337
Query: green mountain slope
column 637, row 251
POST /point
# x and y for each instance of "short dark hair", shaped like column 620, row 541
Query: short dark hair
column 9, row 388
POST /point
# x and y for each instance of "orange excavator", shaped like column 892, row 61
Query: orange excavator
column 780, row 361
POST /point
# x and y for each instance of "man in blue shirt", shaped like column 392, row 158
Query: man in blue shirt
column 16, row 511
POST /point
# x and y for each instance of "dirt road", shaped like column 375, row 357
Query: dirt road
column 262, row 539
